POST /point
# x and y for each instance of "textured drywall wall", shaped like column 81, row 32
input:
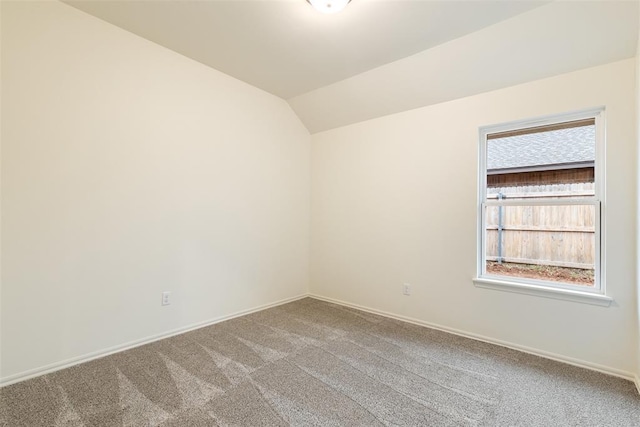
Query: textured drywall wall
column 128, row 170
column 394, row 200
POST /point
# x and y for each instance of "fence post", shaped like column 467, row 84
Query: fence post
column 500, row 197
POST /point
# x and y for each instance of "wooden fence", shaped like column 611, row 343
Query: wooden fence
column 546, row 235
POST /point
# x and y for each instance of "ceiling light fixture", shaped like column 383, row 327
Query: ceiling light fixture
column 329, row 6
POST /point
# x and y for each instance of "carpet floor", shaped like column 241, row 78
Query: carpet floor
column 311, row 363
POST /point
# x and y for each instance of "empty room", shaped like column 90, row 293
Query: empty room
column 319, row 213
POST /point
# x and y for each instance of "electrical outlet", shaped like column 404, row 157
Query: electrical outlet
column 406, row 289
column 166, row 298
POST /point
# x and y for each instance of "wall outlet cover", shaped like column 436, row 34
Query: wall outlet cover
column 166, row 298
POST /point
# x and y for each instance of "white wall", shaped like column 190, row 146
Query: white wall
column 128, row 170
column 394, row 201
column 637, row 91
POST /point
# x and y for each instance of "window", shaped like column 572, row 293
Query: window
column 540, row 207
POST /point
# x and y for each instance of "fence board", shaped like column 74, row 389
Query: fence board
column 547, row 235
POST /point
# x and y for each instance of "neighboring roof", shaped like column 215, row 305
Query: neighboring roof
column 568, row 147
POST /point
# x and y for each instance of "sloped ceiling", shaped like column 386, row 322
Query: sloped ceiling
column 547, row 41
column 379, row 57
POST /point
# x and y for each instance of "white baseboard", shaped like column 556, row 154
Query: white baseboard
column 638, row 383
column 47, row 369
column 548, row 355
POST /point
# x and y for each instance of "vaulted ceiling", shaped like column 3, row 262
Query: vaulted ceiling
column 380, row 56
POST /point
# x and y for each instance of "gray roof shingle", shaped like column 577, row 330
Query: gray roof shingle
column 571, row 145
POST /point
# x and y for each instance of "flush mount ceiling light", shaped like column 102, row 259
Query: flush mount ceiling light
column 329, row 6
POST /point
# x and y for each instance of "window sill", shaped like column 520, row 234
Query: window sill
column 542, row 291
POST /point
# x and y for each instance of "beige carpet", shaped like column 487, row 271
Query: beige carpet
column 312, row 363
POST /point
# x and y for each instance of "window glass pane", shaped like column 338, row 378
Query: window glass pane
column 552, row 243
column 548, row 162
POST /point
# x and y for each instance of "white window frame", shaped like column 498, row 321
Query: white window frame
column 597, row 294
